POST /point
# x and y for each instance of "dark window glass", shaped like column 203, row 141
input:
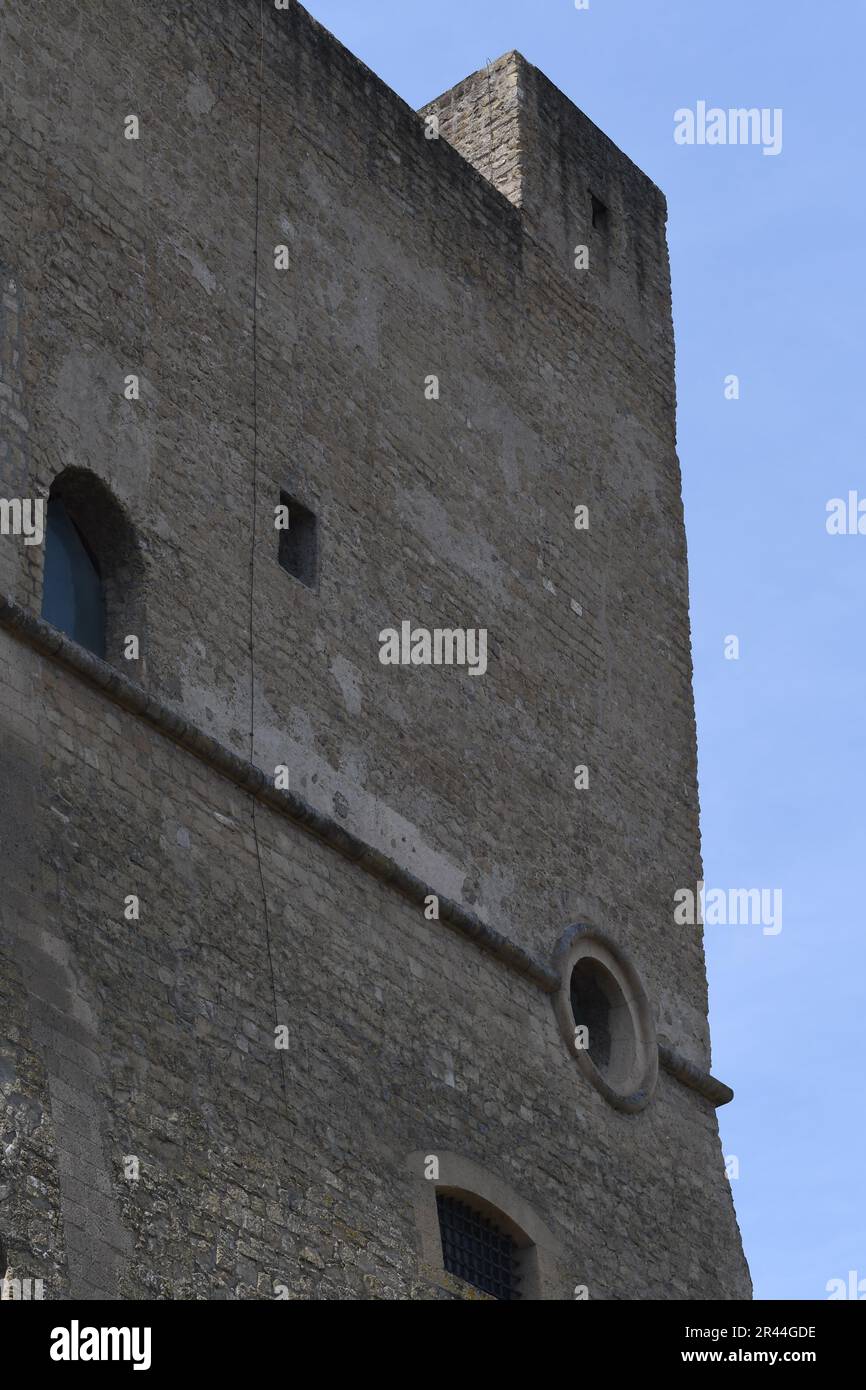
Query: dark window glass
column 600, row 215
column 299, row 544
column 72, row 596
column 590, row 1005
column 477, row 1250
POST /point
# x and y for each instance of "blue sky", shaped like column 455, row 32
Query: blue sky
column 767, row 257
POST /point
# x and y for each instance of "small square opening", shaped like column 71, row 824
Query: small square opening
column 600, row 214
column 299, row 541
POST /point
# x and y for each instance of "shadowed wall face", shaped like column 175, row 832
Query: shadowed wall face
column 176, row 1151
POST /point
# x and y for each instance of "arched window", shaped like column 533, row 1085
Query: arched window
column 477, row 1248
column 474, row 1227
column 73, row 598
column 91, row 586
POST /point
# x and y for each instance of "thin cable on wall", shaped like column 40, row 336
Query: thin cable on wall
column 256, row 386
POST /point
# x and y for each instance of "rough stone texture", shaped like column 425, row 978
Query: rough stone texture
column 261, row 1168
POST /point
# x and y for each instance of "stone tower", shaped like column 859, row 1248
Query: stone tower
column 315, row 966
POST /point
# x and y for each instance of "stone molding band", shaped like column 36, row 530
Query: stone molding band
column 692, row 1076
column 49, row 641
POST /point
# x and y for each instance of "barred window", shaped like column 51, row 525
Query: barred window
column 476, row 1249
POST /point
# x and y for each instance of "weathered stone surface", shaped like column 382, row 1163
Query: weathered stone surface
column 260, row 1169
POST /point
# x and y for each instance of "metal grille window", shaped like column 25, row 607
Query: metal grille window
column 477, row 1250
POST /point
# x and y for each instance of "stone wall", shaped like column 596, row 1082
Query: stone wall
column 154, row 1039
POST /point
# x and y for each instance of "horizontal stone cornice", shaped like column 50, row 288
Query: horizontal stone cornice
column 50, row 642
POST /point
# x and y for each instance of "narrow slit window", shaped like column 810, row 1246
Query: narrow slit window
column 299, row 541
column 600, row 214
